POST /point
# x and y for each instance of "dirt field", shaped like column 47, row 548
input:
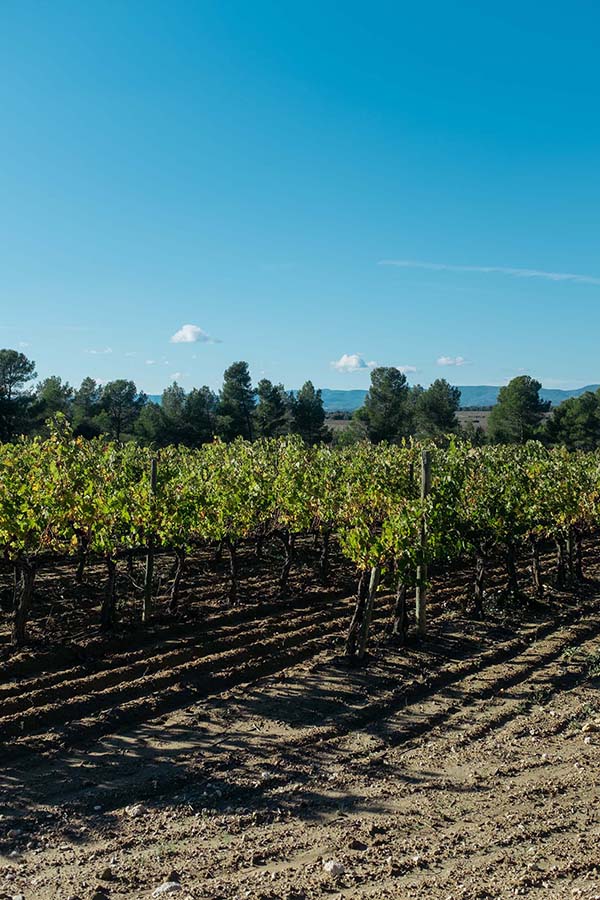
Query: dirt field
column 249, row 761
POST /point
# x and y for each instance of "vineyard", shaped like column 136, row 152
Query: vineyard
column 391, row 511
column 182, row 635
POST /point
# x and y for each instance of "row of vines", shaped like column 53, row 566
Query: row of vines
column 69, row 497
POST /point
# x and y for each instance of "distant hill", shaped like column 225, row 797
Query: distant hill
column 342, row 401
column 470, row 395
column 487, row 395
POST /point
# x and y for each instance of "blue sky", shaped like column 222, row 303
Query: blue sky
column 306, row 184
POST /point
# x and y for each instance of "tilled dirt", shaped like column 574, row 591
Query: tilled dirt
column 463, row 767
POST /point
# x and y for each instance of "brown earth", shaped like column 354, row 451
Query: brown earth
column 236, row 758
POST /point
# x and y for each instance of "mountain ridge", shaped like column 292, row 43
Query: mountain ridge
column 470, row 395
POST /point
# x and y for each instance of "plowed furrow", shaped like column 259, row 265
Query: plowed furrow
column 131, row 666
column 125, row 649
column 206, row 674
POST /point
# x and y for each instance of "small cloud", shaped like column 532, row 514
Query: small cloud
column 406, row 370
column 352, row 362
column 150, row 362
column 131, row 353
column 192, row 334
column 178, row 376
column 100, row 352
column 451, row 361
column 24, row 344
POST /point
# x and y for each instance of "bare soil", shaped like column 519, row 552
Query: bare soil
column 233, row 754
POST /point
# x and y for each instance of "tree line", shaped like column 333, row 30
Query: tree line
column 122, row 412
column 393, row 410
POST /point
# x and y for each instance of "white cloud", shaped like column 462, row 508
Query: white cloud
column 150, row 362
column 23, row 344
column 192, row 334
column 178, row 376
column 100, row 352
column 406, row 370
column 352, row 362
column 492, row 270
column 451, row 361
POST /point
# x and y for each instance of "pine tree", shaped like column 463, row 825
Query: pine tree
column 388, row 411
column 271, row 416
column 236, row 403
column 308, row 415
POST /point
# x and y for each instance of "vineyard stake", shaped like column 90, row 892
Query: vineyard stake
column 366, row 622
column 421, row 592
column 147, row 606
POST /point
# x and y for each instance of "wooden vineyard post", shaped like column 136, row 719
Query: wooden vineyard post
column 366, row 622
column 421, row 593
column 147, row 606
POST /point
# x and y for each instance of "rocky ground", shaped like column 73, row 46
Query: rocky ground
column 466, row 767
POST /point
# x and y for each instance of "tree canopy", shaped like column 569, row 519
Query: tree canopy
column 308, row 415
column 388, row 411
column 16, row 370
column 575, row 424
column 518, row 413
column 436, row 408
column 236, row 402
column 392, row 412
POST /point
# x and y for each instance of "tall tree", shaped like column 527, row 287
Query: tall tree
column 180, row 418
column 200, row 415
column 388, row 411
column 236, row 403
column 151, row 426
column 172, row 406
column 308, row 415
column 15, row 371
column 518, row 413
column 436, row 408
column 86, row 407
column 52, row 395
column 271, row 416
column 575, row 424
column 121, row 405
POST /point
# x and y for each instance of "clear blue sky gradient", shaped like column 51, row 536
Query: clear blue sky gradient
column 245, row 167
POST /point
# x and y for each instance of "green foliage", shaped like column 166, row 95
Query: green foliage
column 388, row 411
column 272, row 414
column 236, row 403
column 436, row 408
column 308, row 415
column 15, row 371
column 65, row 494
column 86, row 407
column 52, row 396
column 518, row 412
column 575, row 424
column 120, row 404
